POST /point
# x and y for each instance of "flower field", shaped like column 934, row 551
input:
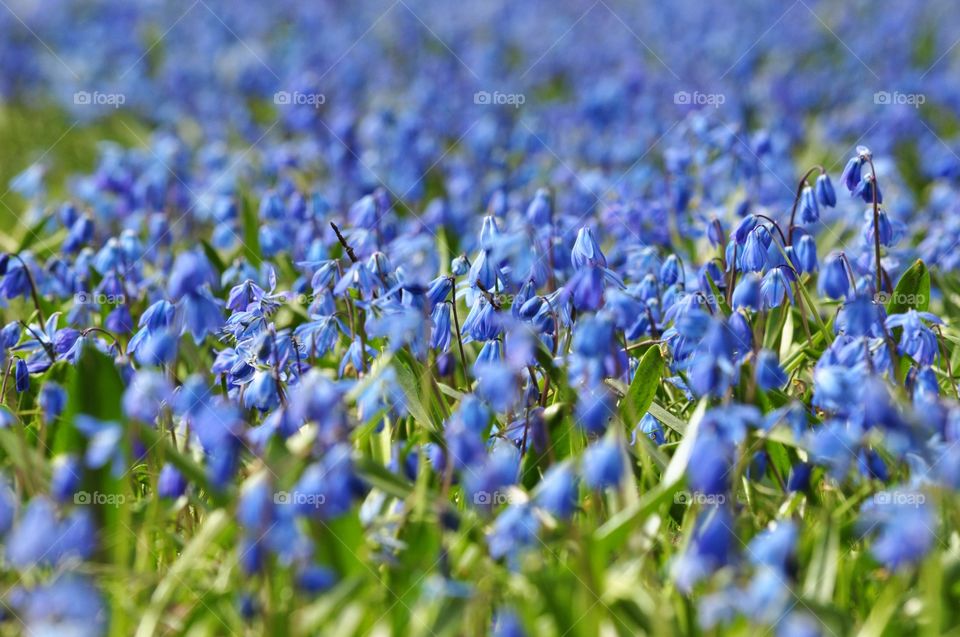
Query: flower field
column 487, row 318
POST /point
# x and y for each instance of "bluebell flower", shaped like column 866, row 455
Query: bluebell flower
column 711, row 463
column 712, row 368
column 809, row 210
column 775, row 548
column 440, row 334
column 670, row 270
column 888, row 233
column 747, row 292
column 190, row 272
column 103, row 443
column 514, row 531
column 769, row 374
column 776, row 287
column 540, row 211
column 649, row 427
column 852, row 171
column 867, row 190
column 51, row 399
column 603, row 464
column 745, row 228
column 833, row 281
column 799, row 478
column 586, row 287
column 65, row 477
column 8, row 505
column 170, row 483
column 805, row 251
column 506, row 623
column 22, row 375
column 557, row 491
column 595, row 408
column 69, row 605
column 711, row 547
column 316, row 579
column 916, row 340
column 753, row 258
column 903, row 527
column 826, row 195
column 147, row 393
column 586, row 251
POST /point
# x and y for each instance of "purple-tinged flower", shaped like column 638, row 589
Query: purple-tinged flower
column 147, row 393
column 514, row 531
column 22, row 375
column 69, row 605
column 776, row 287
column 745, row 228
column 65, row 477
column 753, row 258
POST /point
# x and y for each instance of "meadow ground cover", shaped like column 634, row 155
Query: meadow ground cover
column 429, row 318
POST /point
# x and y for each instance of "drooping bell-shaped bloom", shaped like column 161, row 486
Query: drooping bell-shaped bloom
column 586, row 251
column 826, row 195
column 917, row 340
column 833, row 281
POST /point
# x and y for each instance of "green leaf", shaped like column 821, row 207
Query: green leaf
column 251, row 232
column 643, row 388
column 912, row 291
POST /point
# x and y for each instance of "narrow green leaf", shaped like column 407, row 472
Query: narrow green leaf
column 640, row 395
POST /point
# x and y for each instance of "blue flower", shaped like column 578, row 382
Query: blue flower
column 710, row 548
column 805, row 251
column 775, row 287
column 170, row 483
column 903, row 527
column 514, row 530
column 557, row 491
column 834, row 282
column 586, row 252
column 825, row 192
column 769, row 374
column 651, row 428
column 69, row 605
column 52, row 399
column 747, row 293
column 22, row 375
column 916, row 340
column 603, row 464
column 809, row 210
column 754, row 255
